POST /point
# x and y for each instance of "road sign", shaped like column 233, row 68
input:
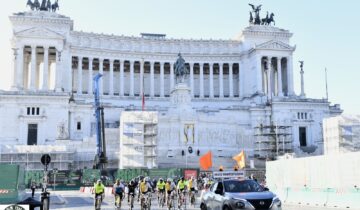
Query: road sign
column 228, row 174
column 45, row 159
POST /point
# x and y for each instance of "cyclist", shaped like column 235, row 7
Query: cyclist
column 118, row 190
column 181, row 187
column 131, row 191
column 145, row 187
column 170, row 188
column 191, row 186
column 161, row 188
column 99, row 189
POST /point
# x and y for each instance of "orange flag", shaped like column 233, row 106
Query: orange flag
column 240, row 159
column 206, row 161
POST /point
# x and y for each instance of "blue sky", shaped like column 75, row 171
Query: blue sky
column 326, row 32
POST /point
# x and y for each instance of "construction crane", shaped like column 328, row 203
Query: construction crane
column 100, row 158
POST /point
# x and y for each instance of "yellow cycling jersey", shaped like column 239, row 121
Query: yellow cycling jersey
column 99, row 188
column 143, row 187
column 167, row 187
column 160, row 185
column 190, row 183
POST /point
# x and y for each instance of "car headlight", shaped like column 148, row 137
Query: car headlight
column 277, row 201
column 240, row 204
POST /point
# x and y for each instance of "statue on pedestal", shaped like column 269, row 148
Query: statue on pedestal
column 256, row 11
column 181, row 71
column 255, row 16
column 43, row 6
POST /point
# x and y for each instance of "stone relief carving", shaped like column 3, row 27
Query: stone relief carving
column 62, row 132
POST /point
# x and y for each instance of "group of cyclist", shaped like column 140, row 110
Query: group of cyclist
column 166, row 190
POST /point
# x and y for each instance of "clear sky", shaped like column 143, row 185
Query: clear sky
column 326, row 32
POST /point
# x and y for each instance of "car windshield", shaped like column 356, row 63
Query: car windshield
column 235, row 186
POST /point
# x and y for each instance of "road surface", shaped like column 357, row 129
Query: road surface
column 75, row 200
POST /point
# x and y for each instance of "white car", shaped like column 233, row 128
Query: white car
column 239, row 194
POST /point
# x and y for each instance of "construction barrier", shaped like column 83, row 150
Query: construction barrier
column 343, row 198
column 317, row 197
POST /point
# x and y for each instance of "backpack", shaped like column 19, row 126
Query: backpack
column 118, row 190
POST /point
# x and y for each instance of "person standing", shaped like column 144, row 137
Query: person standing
column 33, row 188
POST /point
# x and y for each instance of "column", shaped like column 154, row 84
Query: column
column 33, row 68
column 79, row 83
column 162, row 79
column 241, row 80
column 122, row 85
column 90, row 78
column 152, row 87
column 37, row 82
column 26, row 73
column 111, row 79
column 46, row 69
column 172, row 83
column 14, row 73
column 20, row 68
column 201, row 65
column 259, row 75
column 141, row 78
column 221, row 80
column 58, row 74
column 101, row 71
column 192, row 79
column 211, row 80
column 131, row 78
column 302, row 94
column 280, row 92
column 268, row 77
column 290, row 76
column 231, row 83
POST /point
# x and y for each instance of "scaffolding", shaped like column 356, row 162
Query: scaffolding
column 272, row 141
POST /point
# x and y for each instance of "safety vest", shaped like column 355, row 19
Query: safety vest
column 99, row 188
column 181, row 184
column 161, row 185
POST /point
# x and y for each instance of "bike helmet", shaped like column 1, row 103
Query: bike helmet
column 147, row 179
column 161, row 180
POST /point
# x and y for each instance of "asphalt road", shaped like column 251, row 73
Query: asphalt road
column 74, row 200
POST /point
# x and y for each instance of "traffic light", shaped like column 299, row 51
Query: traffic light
column 221, row 168
column 236, row 168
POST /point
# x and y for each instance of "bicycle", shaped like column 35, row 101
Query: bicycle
column 131, row 203
column 161, row 199
column 192, row 198
column 171, row 201
column 182, row 199
column 145, row 202
column 117, row 202
column 98, row 200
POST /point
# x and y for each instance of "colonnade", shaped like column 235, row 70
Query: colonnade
column 28, row 77
column 277, row 76
column 112, row 81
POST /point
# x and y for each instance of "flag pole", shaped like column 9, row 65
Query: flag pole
column 326, row 83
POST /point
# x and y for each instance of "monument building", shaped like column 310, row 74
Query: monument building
column 238, row 95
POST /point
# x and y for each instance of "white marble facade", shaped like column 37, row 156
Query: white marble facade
column 231, row 83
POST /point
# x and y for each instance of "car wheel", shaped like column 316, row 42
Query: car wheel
column 226, row 208
column 203, row 207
